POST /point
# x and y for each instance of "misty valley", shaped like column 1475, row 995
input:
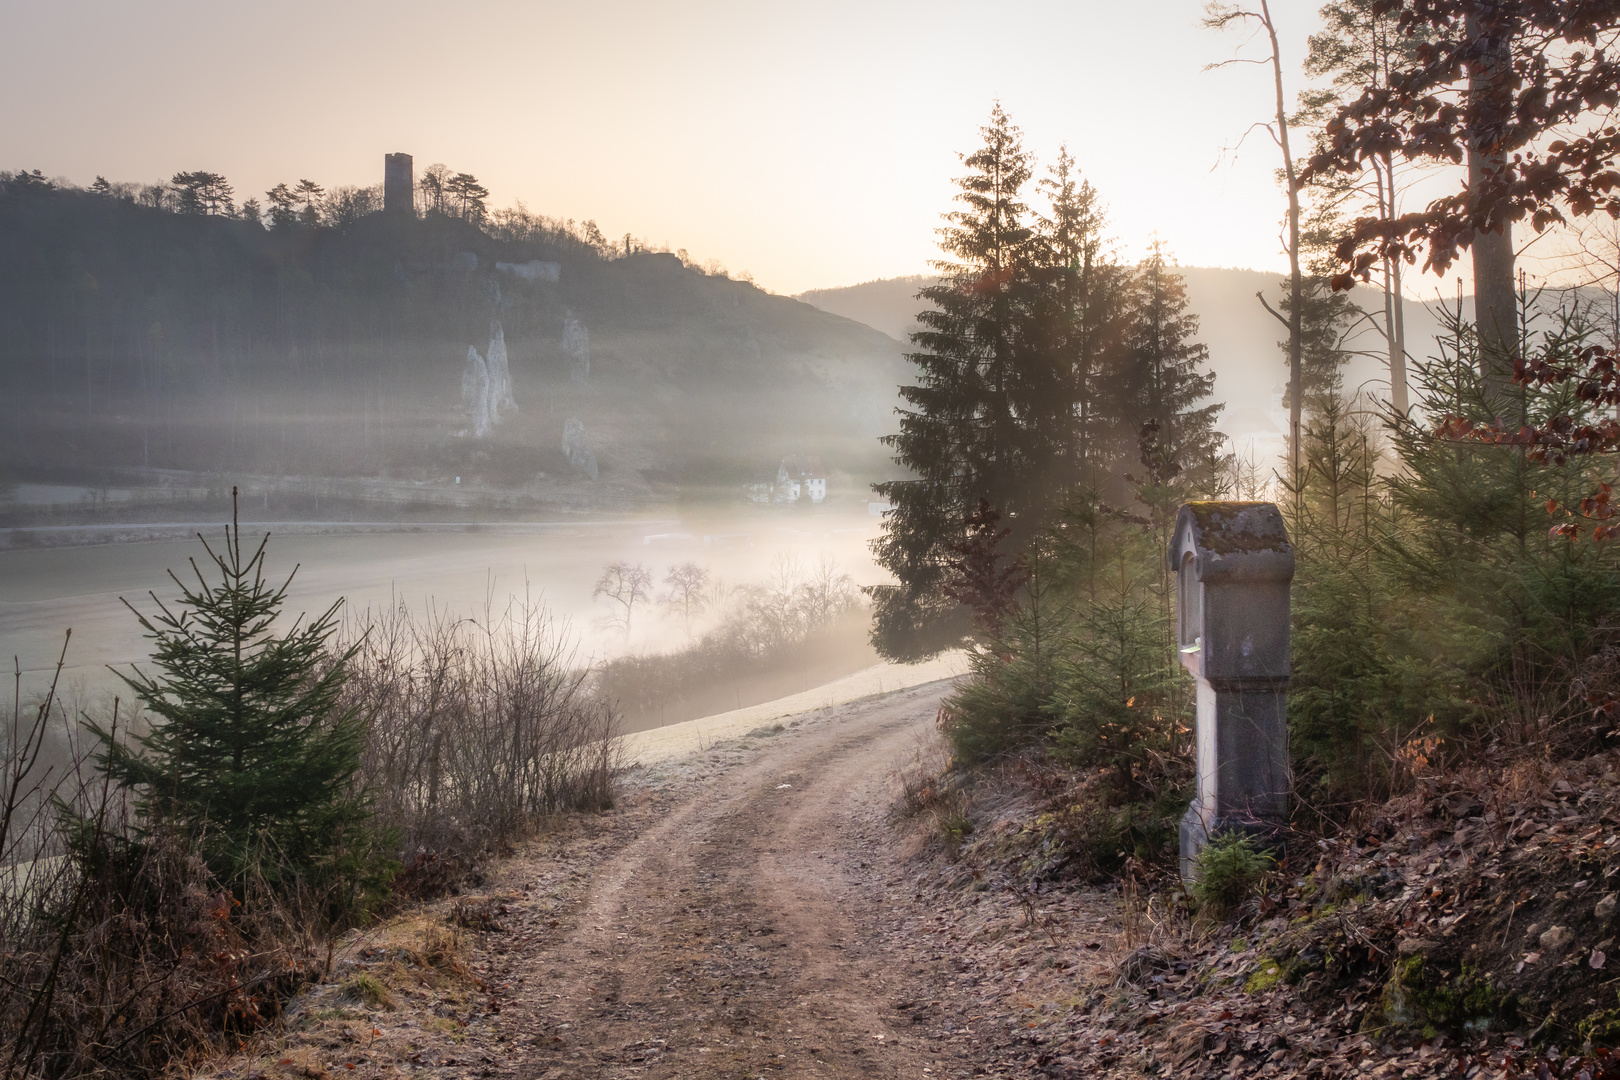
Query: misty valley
column 1130, row 589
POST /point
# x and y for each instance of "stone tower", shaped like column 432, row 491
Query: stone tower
column 399, row 184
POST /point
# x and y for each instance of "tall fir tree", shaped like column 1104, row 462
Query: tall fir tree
column 1167, row 384
column 1081, row 324
column 967, row 434
column 251, row 751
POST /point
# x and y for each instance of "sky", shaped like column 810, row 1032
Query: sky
column 810, row 145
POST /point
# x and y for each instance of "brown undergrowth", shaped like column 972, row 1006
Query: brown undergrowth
column 425, row 991
column 1465, row 927
column 123, row 952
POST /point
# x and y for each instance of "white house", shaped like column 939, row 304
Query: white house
column 799, row 477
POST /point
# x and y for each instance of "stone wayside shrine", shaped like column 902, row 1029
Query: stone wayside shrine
column 1233, row 565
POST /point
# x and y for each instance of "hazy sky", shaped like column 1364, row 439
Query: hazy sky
column 811, row 144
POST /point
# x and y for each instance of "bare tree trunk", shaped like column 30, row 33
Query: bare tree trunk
column 1397, row 362
column 1394, row 317
column 1296, row 287
column 1495, row 315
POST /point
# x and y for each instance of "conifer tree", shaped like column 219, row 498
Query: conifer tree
column 251, row 751
column 966, row 435
column 1119, row 695
column 1474, row 538
column 1326, row 319
column 1350, row 686
column 1081, row 324
column 1166, row 383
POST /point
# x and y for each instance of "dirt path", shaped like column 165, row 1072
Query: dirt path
column 744, row 932
column 746, row 911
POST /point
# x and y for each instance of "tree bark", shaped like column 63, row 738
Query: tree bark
column 1495, row 305
column 1397, row 355
column 1296, row 287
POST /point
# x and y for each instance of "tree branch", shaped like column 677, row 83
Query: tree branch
column 1274, row 314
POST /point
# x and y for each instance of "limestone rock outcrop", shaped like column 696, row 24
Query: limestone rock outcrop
column 475, row 392
column 576, row 343
column 500, row 374
column 579, row 454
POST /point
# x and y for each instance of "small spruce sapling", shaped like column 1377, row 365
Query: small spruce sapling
column 252, row 751
column 1230, row 870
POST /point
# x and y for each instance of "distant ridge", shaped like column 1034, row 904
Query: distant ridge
column 886, row 304
column 1242, row 338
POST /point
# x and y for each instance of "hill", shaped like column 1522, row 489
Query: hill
column 1249, row 365
column 134, row 340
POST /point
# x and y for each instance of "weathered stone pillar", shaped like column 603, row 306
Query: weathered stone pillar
column 1233, row 564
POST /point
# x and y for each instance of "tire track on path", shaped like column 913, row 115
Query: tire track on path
column 745, row 932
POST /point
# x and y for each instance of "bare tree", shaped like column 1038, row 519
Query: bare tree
column 1221, row 17
column 435, row 187
column 687, row 597
column 1361, row 44
column 1594, row 264
column 827, row 592
column 626, row 585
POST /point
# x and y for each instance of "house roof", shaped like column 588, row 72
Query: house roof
column 804, row 467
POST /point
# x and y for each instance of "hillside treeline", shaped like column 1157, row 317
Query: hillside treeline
column 161, row 326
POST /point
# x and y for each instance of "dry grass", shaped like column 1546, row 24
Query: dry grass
column 396, row 1000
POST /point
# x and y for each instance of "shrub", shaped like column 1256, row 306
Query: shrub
column 1434, row 589
column 138, row 923
column 1230, row 869
column 1006, row 703
column 475, row 729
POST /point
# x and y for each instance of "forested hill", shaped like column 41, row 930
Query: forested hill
column 133, row 337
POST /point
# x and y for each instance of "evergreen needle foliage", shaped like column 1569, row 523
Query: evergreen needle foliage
column 1041, row 363
column 966, row 435
column 1230, row 869
column 1429, row 596
column 251, row 752
column 1120, row 699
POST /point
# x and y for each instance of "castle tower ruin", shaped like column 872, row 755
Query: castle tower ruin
column 399, row 184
